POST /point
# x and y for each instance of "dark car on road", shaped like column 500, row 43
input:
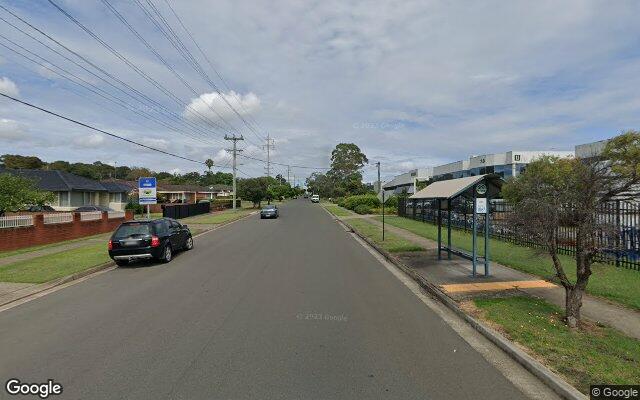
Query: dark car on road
column 269, row 211
column 155, row 239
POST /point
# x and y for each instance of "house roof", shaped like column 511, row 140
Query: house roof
column 220, row 187
column 62, row 181
column 449, row 188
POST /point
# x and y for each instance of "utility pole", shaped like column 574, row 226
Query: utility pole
column 269, row 146
column 234, row 151
column 380, row 190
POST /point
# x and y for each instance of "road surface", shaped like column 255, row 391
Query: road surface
column 292, row 308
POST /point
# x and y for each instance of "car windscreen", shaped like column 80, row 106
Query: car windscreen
column 269, row 208
column 130, row 230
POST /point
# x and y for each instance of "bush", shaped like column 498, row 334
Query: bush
column 369, row 200
column 338, row 200
column 392, row 201
column 362, row 209
column 137, row 208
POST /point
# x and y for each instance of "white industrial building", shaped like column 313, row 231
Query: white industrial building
column 407, row 182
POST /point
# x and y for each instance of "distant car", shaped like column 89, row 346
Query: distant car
column 92, row 208
column 315, row 198
column 155, row 239
column 36, row 208
column 306, row 196
column 269, row 211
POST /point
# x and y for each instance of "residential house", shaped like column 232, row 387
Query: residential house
column 73, row 191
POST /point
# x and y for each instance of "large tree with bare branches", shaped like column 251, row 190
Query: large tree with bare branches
column 572, row 193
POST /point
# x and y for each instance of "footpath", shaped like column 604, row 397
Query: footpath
column 454, row 278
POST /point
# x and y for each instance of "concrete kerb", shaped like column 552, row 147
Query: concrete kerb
column 552, row 380
column 39, row 288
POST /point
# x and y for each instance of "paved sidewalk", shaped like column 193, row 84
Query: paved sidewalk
column 454, row 277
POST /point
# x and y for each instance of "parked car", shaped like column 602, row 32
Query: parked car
column 36, row 208
column 315, row 198
column 92, row 208
column 155, row 239
column 269, row 211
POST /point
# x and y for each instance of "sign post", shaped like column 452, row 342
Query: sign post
column 147, row 193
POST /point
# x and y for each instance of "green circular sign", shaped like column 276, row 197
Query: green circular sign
column 481, row 188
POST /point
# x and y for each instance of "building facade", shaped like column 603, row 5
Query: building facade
column 507, row 164
column 406, row 183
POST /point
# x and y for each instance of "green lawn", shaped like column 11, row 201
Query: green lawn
column 46, row 246
column 616, row 284
column 57, row 265
column 337, row 210
column 591, row 356
column 218, row 217
column 392, row 243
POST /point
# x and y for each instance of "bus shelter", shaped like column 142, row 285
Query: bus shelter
column 474, row 190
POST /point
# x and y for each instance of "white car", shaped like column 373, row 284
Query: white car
column 315, row 198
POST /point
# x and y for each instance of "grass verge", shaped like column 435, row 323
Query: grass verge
column 218, row 217
column 337, row 210
column 54, row 266
column 25, row 250
column 617, row 284
column 592, row 355
column 392, row 243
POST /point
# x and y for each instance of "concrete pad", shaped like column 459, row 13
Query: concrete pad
column 496, row 286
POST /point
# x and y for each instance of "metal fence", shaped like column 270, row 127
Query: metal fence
column 90, row 215
column 116, row 214
column 58, row 218
column 620, row 245
column 178, row 211
column 16, row 221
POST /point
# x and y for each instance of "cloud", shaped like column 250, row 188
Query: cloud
column 216, row 107
column 89, row 141
column 8, row 87
column 11, row 131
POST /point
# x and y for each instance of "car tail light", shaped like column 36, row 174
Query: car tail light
column 155, row 241
column 110, row 244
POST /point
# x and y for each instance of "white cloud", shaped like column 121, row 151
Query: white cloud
column 11, row 131
column 8, row 87
column 160, row 144
column 214, row 106
column 89, row 141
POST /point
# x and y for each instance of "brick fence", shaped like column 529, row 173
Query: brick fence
column 40, row 233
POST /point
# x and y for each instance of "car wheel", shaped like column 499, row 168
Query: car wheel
column 262, row 217
column 122, row 263
column 167, row 254
column 189, row 243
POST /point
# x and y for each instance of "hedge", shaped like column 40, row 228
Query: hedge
column 369, row 200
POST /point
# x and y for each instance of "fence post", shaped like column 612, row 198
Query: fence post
column 618, row 233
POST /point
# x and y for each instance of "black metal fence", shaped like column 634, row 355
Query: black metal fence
column 178, row 211
column 619, row 246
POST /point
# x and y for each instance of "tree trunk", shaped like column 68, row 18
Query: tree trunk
column 573, row 303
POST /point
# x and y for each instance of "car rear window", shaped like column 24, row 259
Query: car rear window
column 129, row 230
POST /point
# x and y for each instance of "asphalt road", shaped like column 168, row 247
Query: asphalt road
column 292, row 308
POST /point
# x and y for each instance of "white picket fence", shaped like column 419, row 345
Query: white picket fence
column 116, row 214
column 58, row 218
column 16, row 221
column 90, row 215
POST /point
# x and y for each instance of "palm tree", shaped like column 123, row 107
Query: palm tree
column 209, row 163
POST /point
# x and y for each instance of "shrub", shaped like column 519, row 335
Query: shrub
column 392, row 201
column 137, row 208
column 362, row 209
column 369, row 200
column 338, row 200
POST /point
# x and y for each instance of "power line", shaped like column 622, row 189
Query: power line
column 98, row 129
column 284, row 165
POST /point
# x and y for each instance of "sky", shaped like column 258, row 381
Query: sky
column 413, row 83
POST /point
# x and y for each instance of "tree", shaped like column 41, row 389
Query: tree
column 209, row 164
column 253, row 189
column 139, row 172
column 16, row 161
column 281, row 179
column 346, row 162
column 320, row 184
column 16, row 192
column 572, row 193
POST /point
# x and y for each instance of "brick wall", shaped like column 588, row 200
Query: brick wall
column 39, row 233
